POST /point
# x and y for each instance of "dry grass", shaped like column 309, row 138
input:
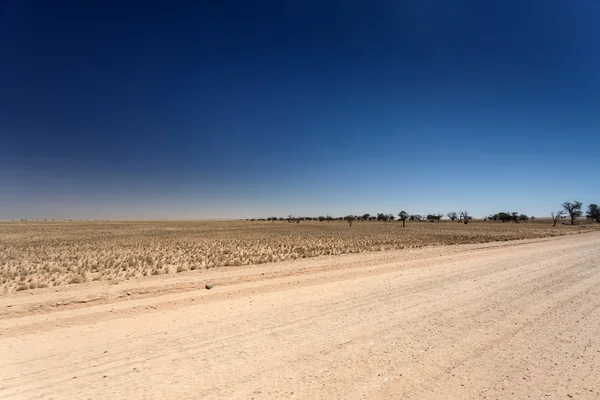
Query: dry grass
column 34, row 255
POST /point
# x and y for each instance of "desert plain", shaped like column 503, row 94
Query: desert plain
column 107, row 310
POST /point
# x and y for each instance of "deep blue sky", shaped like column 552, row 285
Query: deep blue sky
column 241, row 109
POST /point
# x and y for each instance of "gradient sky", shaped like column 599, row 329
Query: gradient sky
column 227, row 109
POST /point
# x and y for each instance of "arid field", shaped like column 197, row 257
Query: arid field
column 501, row 320
column 48, row 254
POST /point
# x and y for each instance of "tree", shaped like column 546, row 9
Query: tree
column 464, row 216
column 514, row 217
column 523, row 217
column 403, row 216
column 556, row 216
column 452, row 215
column 504, row 216
column 391, row 217
column 573, row 209
column 593, row 213
column 366, row 217
column 350, row 219
column 382, row 217
column 434, row 217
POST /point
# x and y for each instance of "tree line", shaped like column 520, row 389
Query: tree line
column 403, row 216
column 572, row 209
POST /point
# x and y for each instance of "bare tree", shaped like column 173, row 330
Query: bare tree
column 573, row 209
column 403, row 216
column 556, row 216
column 452, row 215
column 464, row 216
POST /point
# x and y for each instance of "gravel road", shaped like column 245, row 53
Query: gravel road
column 498, row 320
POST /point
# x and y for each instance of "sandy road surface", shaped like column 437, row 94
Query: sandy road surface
column 504, row 320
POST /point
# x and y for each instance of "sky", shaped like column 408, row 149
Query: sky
column 239, row 109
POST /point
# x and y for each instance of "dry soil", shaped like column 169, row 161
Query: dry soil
column 496, row 320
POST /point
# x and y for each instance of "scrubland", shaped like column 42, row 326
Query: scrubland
column 47, row 254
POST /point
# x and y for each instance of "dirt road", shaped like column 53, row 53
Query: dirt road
column 497, row 320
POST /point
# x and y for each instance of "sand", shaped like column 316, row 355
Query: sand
column 517, row 319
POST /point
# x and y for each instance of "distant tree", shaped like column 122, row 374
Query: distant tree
column 514, row 216
column 556, row 216
column 366, row 217
column 593, row 213
column 403, row 216
column 573, row 209
column 350, row 219
column 464, row 216
column 523, row 217
column 328, row 218
column 434, row 217
column 391, row 217
column 382, row 217
column 504, row 216
column 321, row 218
column 452, row 215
